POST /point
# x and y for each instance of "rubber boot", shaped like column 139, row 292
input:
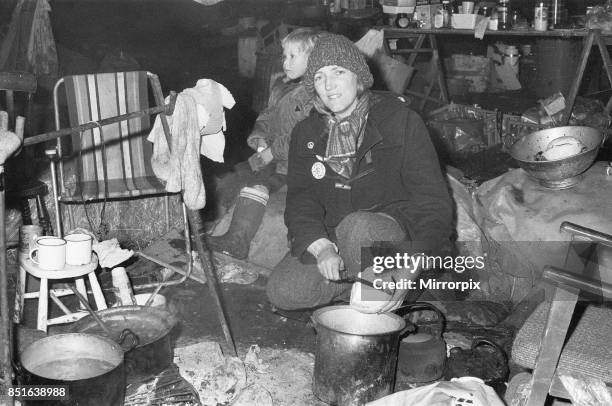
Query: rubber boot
column 248, row 213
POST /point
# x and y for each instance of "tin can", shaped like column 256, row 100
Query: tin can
column 27, row 238
column 540, row 21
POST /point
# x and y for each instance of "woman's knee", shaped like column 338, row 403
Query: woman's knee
column 362, row 227
column 293, row 285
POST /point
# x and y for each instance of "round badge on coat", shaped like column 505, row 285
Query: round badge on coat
column 310, row 145
column 318, row 170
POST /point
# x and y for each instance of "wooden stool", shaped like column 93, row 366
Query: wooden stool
column 33, row 190
column 43, row 295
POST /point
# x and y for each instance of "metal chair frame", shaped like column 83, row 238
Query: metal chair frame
column 569, row 285
column 59, row 192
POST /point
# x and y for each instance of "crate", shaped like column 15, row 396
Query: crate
column 491, row 119
column 514, row 128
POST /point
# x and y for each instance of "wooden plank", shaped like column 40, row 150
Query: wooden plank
column 412, row 51
column 605, row 56
column 573, row 93
column 394, row 32
column 417, row 45
column 558, row 321
column 439, row 69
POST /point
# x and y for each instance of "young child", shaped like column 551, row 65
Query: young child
column 288, row 104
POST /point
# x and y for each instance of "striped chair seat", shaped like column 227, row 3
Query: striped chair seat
column 112, row 161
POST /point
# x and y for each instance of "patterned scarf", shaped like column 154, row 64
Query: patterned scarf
column 345, row 135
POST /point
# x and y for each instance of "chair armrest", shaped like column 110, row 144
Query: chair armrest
column 561, row 277
column 588, row 233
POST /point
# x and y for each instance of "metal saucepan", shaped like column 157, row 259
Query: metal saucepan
column 151, row 325
column 92, row 367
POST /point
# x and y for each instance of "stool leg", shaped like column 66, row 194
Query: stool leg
column 19, row 299
column 80, row 285
column 97, row 291
column 43, row 215
column 26, row 215
column 43, row 305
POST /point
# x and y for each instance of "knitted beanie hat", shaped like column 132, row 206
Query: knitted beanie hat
column 333, row 49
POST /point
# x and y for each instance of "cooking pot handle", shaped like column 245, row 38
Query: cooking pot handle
column 20, row 373
column 427, row 306
column 128, row 340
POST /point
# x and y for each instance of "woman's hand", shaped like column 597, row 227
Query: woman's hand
column 367, row 299
column 259, row 160
column 330, row 263
column 261, row 145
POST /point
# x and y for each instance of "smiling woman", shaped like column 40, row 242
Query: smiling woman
column 337, row 88
column 361, row 169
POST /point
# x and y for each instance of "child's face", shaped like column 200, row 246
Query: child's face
column 295, row 61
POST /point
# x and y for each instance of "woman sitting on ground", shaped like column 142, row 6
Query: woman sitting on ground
column 361, row 169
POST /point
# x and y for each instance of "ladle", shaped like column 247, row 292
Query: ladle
column 124, row 334
column 346, row 278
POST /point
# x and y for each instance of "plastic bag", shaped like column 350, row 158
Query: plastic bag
column 466, row 391
column 459, row 136
column 600, row 18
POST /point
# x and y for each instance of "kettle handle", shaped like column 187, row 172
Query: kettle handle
column 478, row 341
column 427, row 306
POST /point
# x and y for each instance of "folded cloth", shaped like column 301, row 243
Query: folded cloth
column 110, row 254
column 211, row 97
column 196, row 127
column 179, row 166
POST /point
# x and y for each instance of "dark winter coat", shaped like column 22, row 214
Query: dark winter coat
column 397, row 172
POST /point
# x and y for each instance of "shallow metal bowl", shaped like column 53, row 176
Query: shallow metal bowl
column 561, row 173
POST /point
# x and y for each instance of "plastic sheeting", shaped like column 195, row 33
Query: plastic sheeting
column 520, row 220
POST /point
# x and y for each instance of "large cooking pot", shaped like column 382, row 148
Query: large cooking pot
column 151, row 325
column 356, row 355
column 91, row 366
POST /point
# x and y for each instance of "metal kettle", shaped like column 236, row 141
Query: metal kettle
column 422, row 355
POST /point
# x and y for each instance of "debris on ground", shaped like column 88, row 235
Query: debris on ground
column 266, row 376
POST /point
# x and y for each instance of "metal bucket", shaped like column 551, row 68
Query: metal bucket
column 90, row 366
column 356, row 355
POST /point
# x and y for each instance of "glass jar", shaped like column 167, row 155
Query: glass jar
column 493, row 20
column 484, row 11
column 503, row 15
column 403, row 21
column 447, row 12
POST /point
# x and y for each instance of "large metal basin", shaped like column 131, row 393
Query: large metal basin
column 561, row 173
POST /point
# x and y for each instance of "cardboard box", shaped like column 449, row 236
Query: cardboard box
column 465, row 21
column 470, row 63
column 425, row 13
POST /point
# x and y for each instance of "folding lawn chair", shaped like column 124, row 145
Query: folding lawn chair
column 111, row 162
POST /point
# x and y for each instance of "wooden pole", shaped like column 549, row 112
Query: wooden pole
column 194, row 221
column 212, row 281
column 7, row 364
column 6, row 350
column 37, row 139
